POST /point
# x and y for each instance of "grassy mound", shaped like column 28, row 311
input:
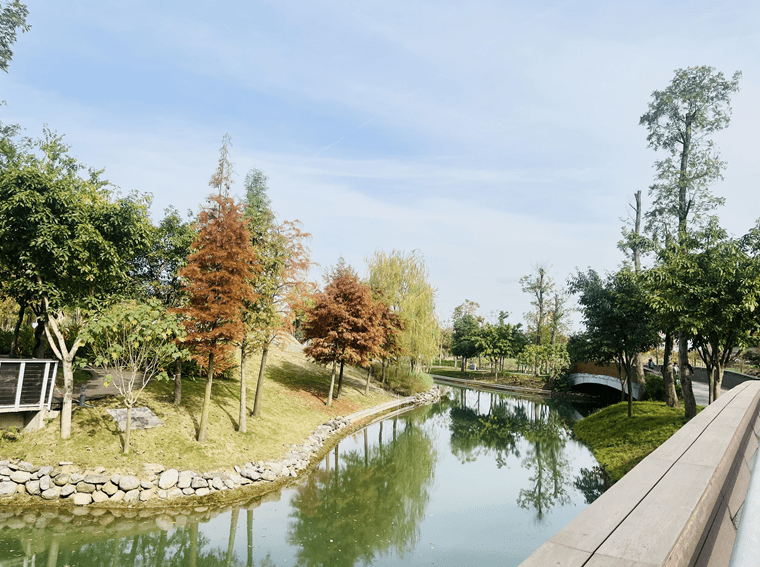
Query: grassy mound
column 293, row 404
column 619, row 442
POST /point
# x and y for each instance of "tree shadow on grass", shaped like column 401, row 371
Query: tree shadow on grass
column 313, row 380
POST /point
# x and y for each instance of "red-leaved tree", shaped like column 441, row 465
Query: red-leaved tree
column 344, row 325
column 217, row 281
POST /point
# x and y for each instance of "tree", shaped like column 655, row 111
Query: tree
column 12, row 18
column 540, row 286
column 712, row 296
column 402, row 282
column 680, row 120
column 618, row 318
column 344, row 325
column 281, row 284
column 466, row 328
column 133, row 342
column 158, row 271
column 558, row 314
column 65, row 243
column 496, row 341
column 217, row 279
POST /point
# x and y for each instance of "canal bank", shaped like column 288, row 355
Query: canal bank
column 64, row 484
column 478, row 478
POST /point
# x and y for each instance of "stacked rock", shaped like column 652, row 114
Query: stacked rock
column 97, row 486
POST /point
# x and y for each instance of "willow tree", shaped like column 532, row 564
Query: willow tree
column 680, row 121
column 217, row 277
column 400, row 280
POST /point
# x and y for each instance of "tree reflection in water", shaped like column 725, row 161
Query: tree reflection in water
column 360, row 511
column 499, row 425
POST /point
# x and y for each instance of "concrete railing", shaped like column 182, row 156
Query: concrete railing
column 680, row 506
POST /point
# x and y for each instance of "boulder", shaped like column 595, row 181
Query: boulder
column 21, row 477
column 61, row 479
column 198, row 482
column 146, row 484
column 185, row 478
column 85, row 487
column 96, row 478
column 188, row 491
column 45, row 483
column 117, row 496
column 202, row 492
column 146, row 495
column 67, row 490
column 80, row 499
column 110, row 488
column 99, row 496
column 44, row 471
column 168, row 479
column 33, row 487
column 217, row 483
column 51, row 493
column 76, row 478
column 127, row 483
column 132, row 495
column 7, row 489
column 174, row 492
column 153, row 469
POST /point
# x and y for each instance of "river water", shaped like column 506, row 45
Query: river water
column 477, row 479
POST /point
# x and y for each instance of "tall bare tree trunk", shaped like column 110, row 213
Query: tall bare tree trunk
column 17, row 328
column 243, row 414
column 332, row 385
column 671, row 397
column 689, row 403
column 203, row 428
column 127, row 430
column 366, row 386
column 340, row 380
column 231, row 539
column 177, row 381
column 260, row 382
column 250, row 538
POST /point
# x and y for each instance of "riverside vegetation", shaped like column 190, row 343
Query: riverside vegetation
column 92, row 457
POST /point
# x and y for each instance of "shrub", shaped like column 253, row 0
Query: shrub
column 655, row 388
column 401, row 380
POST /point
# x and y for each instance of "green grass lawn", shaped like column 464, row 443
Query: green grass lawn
column 505, row 378
column 619, row 442
column 293, row 405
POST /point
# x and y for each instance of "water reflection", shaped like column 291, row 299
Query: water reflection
column 370, row 505
column 500, row 425
column 457, row 482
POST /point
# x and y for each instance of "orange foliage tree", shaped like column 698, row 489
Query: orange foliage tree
column 344, row 325
column 217, row 281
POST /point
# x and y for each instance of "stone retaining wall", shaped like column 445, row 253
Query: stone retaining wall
column 81, row 488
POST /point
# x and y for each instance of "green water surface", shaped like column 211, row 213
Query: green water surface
column 478, row 479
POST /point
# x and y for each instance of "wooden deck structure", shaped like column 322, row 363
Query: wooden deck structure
column 26, row 391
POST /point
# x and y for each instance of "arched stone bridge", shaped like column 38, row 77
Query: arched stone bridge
column 603, row 380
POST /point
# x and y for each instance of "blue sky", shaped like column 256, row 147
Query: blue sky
column 489, row 135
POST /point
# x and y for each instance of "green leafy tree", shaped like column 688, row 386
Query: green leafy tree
column 12, row 19
column 158, row 271
column 496, row 341
column 618, row 319
column 540, row 287
column 680, row 121
column 282, row 284
column 66, row 244
column 133, row 342
column 464, row 336
column 712, row 296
